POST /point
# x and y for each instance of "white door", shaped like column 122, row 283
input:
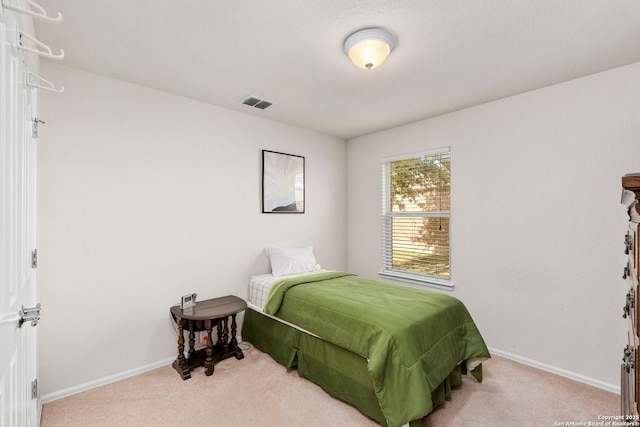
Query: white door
column 18, row 351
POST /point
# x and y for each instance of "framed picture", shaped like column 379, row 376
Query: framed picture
column 282, row 183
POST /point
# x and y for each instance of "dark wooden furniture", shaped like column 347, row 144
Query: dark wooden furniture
column 630, row 380
column 205, row 316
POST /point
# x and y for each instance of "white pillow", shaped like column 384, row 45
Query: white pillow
column 286, row 261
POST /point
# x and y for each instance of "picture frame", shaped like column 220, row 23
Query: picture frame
column 283, row 182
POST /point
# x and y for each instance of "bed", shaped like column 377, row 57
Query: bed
column 392, row 351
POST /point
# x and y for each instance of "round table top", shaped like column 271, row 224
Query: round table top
column 214, row 308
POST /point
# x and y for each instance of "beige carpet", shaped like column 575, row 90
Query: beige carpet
column 256, row 391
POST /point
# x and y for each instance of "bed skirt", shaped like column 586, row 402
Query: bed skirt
column 339, row 372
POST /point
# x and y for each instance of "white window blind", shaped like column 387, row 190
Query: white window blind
column 416, row 214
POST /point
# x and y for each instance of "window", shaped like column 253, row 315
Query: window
column 416, row 209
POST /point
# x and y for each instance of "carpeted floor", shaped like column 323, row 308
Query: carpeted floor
column 257, row 391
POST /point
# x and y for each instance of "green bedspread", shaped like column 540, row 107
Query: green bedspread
column 412, row 338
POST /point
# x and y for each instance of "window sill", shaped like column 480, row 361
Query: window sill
column 414, row 279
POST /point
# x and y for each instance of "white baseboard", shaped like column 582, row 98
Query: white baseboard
column 50, row 397
column 558, row 371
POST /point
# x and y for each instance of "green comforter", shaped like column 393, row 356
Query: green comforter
column 412, row 339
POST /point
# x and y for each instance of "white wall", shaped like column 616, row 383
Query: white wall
column 147, row 196
column 537, row 228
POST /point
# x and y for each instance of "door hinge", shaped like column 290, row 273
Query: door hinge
column 34, row 389
column 34, row 258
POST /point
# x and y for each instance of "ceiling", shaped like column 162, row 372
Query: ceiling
column 451, row 54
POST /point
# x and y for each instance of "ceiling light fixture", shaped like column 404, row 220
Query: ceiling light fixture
column 369, row 48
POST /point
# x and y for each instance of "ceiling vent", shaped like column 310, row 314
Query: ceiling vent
column 252, row 101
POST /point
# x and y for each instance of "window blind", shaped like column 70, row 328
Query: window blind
column 416, row 216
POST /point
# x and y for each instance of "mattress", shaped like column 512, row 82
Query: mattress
column 260, row 285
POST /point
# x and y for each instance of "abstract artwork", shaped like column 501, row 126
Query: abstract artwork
column 282, row 183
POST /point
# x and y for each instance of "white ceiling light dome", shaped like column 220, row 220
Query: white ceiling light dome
column 370, row 47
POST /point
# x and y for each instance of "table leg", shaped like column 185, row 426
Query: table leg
column 208, row 361
column 192, row 339
column 234, row 342
column 180, row 364
column 219, row 343
column 225, row 336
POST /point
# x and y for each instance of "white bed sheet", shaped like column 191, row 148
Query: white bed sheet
column 260, row 285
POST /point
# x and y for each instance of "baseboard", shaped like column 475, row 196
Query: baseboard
column 50, row 397
column 558, row 371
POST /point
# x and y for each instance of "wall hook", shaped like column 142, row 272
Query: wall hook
column 39, row 12
column 46, row 52
column 47, row 84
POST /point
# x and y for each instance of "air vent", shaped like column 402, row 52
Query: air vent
column 252, row 101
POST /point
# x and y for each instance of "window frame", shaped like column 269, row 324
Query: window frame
column 387, row 271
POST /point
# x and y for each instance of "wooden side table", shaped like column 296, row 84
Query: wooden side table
column 204, row 316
